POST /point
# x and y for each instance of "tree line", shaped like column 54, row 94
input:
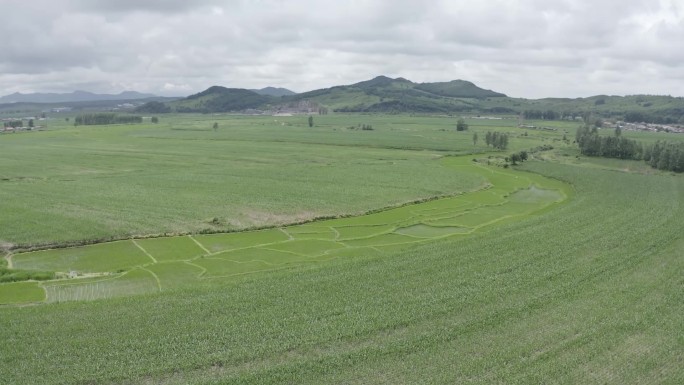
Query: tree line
column 661, row 155
column 16, row 123
column 665, row 156
column 101, row 118
column 498, row 140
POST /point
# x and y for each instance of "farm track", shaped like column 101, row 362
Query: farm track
column 507, row 196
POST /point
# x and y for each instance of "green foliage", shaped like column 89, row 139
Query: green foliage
column 541, row 115
column 458, row 89
column 153, row 107
column 13, row 123
column 311, row 122
column 221, row 99
column 154, row 120
column 104, row 118
column 497, row 140
column 461, row 125
column 518, row 157
column 661, row 155
column 592, row 144
column 665, row 156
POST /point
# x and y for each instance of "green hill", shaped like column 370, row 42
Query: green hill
column 387, row 95
column 384, row 94
column 274, row 91
column 221, row 99
column 458, row 89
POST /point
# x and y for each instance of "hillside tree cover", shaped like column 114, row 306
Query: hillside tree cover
column 153, row 107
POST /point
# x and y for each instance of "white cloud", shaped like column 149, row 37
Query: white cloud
column 528, row 48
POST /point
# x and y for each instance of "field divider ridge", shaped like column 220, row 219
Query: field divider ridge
column 199, row 244
column 8, row 258
column 289, row 236
column 144, row 251
column 156, row 278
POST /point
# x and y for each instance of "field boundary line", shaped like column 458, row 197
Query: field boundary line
column 203, row 272
column 251, row 260
column 199, row 244
column 46, row 292
column 287, row 252
column 144, row 251
column 337, row 233
column 282, row 267
column 73, row 282
column 156, row 278
column 249, row 247
column 286, row 233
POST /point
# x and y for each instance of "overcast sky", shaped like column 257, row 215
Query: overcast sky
column 524, row 48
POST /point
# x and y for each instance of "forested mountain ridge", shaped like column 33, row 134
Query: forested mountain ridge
column 387, row 95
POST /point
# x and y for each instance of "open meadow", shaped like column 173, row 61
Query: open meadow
column 429, row 261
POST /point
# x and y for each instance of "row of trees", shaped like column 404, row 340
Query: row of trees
column 592, row 144
column 498, row 140
column 665, row 156
column 101, row 118
column 517, row 157
column 661, row 155
column 541, row 115
column 17, row 123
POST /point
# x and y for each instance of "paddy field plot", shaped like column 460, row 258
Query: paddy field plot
column 21, row 293
column 149, row 264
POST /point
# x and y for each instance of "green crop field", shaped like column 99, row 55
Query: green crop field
column 81, row 183
column 430, row 263
column 510, row 194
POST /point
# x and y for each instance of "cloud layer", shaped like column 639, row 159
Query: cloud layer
column 526, row 48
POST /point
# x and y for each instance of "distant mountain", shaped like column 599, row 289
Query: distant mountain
column 221, row 99
column 76, row 96
column 458, row 89
column 384, row 94
column 274, row 91
column 380, row 94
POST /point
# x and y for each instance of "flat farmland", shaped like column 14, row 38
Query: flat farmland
column 563, row 269
column 510, row 195
column 85, row 183
column 585, row 292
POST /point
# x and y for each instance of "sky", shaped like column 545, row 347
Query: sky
column 523, row 48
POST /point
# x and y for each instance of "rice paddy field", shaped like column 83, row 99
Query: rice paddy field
column 560, row 270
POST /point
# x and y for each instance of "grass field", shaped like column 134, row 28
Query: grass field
column 565, row 269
